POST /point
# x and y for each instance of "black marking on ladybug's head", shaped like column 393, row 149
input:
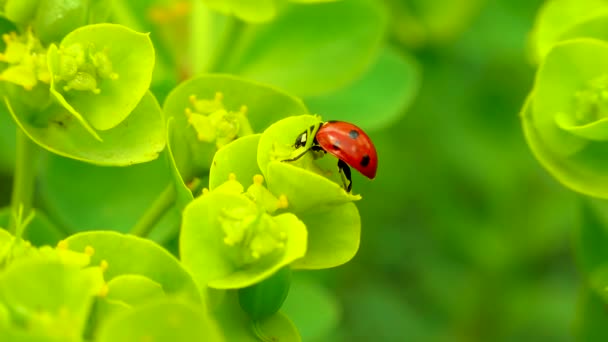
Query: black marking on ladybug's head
column 353, row 134
column 364, row 161
column 301, row 139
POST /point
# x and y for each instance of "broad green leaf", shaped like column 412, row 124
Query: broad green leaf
column 378, row 98
column 264, row 299
column 239, row 158
column 160, row 321
column 137, row 139
column 312, row 307
column 70, row 189
column 40, row 231
column 128, row 254
column 308, row 51
column 56, row 18
column 50, row 297
column 128, row 54
column 333, row 236
column 557, row 17
column 258, row 11
column 20, row 11
column 563, row 118
column 263, row 106
column 237, row 326
column 228, row 242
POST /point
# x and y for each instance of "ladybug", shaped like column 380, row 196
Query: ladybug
column 344, row 140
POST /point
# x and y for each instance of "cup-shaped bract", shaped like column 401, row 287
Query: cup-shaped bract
column 52, row 299
column 164, row 320
column 565, row 118
column 119, row 251
column 100, row 73
column 210, row 111
column 561, row 19
column 229, row 242
column 137, row 139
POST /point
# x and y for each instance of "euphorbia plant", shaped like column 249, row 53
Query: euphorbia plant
column 564, row 121
column 229, row 218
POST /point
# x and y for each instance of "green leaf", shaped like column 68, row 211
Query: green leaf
column 137, row 139
column 237, row 326
column 160, row 321
column 264, row 105
column 127, row 254
column 563, row 117
column 238, row 158
column 556, row 18
column 69, row 189
column 258, row 11
column 317, row 53
column 127, row 54
column 24, row 289
column 265, row 298
column 56, row 18
column 20, row 11
column 333, row 236
column 227, row 242
column 378, row 98
column 322, row 312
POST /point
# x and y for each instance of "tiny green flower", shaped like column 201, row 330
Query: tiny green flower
column 82, row 69
column 213, row 123
column 26, row 60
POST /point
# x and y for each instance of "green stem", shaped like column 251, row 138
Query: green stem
column 226, row 44
column 24, row 178
column 155, row 212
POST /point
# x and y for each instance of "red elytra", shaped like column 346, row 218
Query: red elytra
column 349, row 143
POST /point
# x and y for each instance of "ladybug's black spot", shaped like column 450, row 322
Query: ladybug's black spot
column 335, row 147
column 364, row 161
column 353, row 134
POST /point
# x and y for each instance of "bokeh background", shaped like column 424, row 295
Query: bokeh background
column 465, row 236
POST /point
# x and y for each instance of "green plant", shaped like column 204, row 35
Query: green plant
column 217, row 221
column 564, row 121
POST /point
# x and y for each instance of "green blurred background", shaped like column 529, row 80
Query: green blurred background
column 465, row 236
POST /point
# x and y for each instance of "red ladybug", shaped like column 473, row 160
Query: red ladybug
column 345, row 141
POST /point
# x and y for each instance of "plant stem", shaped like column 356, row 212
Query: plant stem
column 155, row 212
column 226, row 44
column 24, row 178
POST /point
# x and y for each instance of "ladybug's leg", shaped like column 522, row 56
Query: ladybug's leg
column 297, row 157
column 345, row 174
column 314, row 148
